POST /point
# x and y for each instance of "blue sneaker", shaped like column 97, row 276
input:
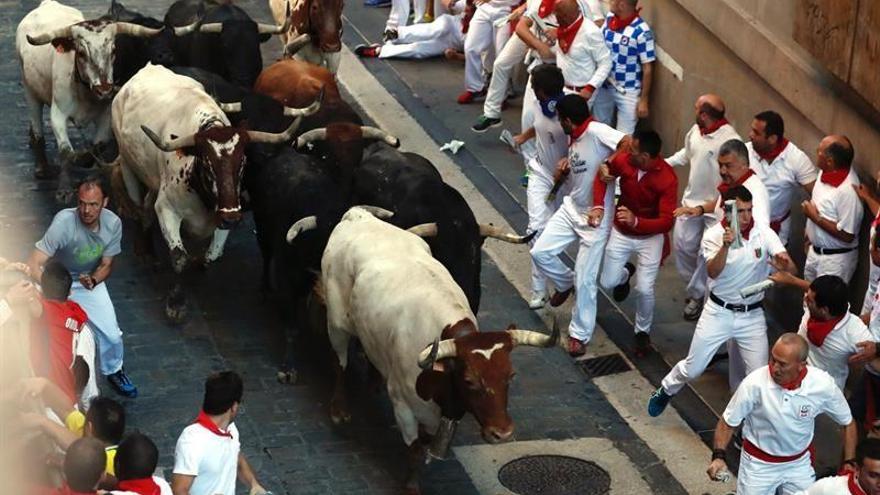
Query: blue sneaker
column 122, row 384
column 377, row 3
column 658, row 402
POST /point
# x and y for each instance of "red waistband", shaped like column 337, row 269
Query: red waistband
column 754, row 451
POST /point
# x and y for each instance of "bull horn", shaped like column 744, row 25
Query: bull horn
column 173, row 145
column 368, row 132
column 274, row 138
column 376, row 211
column 300, row 226
column 489, row 230
column 305, row 138
column 307, row 111
column 230, row 107
column 274, row 28
column 424, row 230
column 136, row 30
column 188, row 29
column 437, row 350
column 536, row 339
column 296, row 44
column 213, row 27
column 42, row 39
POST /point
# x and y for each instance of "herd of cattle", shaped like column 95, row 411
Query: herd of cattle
column 203, row 133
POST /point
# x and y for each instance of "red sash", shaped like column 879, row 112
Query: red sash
column 723, row 188
column 757, row 453
column 565, row 34
column 835, row 177
column 579, row 131
column 143, row 486
column 712, row 128
column 818, row 331
column 792, row 385
column 775, row 152
column 205, row 421
column 617, row 24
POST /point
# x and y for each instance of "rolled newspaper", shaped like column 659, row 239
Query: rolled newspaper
column 722, row 476
column 755, row 288
column 507, row 138
column 732, row 216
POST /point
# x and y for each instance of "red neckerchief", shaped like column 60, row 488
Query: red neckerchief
column 143, row 486
column 743, row 231
column 56, row 313
column 835, row 178
column 579, row 131
column 617, row 24
column 205, row 420
column 714, row 127
column 794, row 384
column 817, row 331
column 777, row 150
column 853, row 485
column 723, row 188
column 565, row 34
column 546, row 8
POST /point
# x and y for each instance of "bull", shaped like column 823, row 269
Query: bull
column 180, row 156
column 382, row 286
column 315, row 30
column 220, row 38
column 67, row 64
column 132, row 53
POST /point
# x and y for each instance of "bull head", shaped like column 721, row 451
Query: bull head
column 311, row 222
column 217, row 27
column 94, row 46
column 320, row 24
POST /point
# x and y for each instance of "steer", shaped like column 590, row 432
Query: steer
column 315, row 32
column 382, row 287
column 179, row 155
column 132, row 53
column 67, row 64
column 219, row 38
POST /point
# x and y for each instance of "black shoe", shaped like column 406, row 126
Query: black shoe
column 389, row 35
column 622, row 291
column 643, row 344
column 484, row 123
column 122, row 384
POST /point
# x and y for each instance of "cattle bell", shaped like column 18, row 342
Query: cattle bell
column 440, row 444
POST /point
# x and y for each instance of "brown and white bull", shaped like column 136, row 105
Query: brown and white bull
column 383, row 287
column 315, row 30
column 67, row 64
column 179, row 155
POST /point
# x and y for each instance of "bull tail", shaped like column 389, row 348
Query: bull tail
column 125, row 207
column 318, row 291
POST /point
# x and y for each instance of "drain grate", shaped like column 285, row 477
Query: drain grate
column 605, row 365
column 554, row 475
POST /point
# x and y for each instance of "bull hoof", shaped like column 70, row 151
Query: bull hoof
column 179, row 260
column 339, row 414
column 287, row 377
column 176, row 314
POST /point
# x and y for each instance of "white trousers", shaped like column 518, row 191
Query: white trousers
column 608, row 100
column 686, row 241
column 102, row 321
column 400, row 12
column 715, row 327
column 508, row 58
column 482, row 42
column 529, row 149
column 429, row 39
column 843, row 265
column 785, row 231
column 873, row 282
column 565, row 227
column 649, row 252
column 540, row 212
column 757, row 477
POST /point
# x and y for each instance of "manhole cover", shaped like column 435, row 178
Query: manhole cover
column 554, row 475
column 605, row 365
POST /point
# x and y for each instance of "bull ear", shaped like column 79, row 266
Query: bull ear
column 63, row 45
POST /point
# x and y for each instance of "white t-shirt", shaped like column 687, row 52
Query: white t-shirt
column 832, row 485
column 551, row 142
column 585, row 156
column 701, row 153
column 595, row 10
column 211, row 458
column 838, row 346
column 760, row 201
column 842, row 206
column 789, row 171
column 164, row 488
column 779, row 421
column 745, row 266
column 588, row 61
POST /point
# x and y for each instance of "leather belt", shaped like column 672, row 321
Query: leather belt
column 738, row 308
column 575, row 88
column 825, row 251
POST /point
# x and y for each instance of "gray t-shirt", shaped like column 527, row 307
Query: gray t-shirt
column 77, row 247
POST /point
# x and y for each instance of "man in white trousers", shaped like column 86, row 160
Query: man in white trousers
column 85, row 240
column 728, row 315
column 777, row 405
column 781, row 166
column 631, row 42
column 865, row 480
column 642, row 221
column 581, row 51
column 700, row 152
column 834, row 213
column 591, row 143
column 399, row 16
column 425, row 40
column 551, row 145
column 482, row 39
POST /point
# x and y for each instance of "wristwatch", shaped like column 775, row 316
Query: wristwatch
column 719, row 454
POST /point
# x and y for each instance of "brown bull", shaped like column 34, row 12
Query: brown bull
column 315, row 32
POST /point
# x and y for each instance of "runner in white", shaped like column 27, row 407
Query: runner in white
column 582, row 54
column 424, row 40
column 700, row 152
column 777, row 405
column 865, row 480
column 483, row 39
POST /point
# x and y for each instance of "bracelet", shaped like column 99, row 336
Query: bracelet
column 719, row 454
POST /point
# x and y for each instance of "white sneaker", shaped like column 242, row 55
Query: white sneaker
column 538, row 300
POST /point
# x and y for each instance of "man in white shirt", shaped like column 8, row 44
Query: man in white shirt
column 591, row 144
column 581, row 51
column 423, row 40
column 865, row 480
column 777, row 405
column 700, row 152
column 834, row 214
column 208, row 458
column 728, row 315
column 483, row 37
column 781, row 166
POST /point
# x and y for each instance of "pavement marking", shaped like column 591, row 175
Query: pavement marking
column 513, row 262
column 667, row 61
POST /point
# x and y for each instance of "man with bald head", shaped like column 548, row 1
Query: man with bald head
column 581, row 51
column 777, row 406
column 834, row 213
column 700, row 152
column 83, row 466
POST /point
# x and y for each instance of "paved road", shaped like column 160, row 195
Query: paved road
column 286, row 431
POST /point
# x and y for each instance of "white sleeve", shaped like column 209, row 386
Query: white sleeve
column 5, row 311
column 712, row 242
column 607, row 135
column 825, row 486
column 742, row 402
column 773, row 242
column 682, row 157
column 804, row 170
column 594, row 10
column 187, row 455
column 849, row 211
column 860, row 334
column 85, row 347
column 836, row 406
column 601, row 54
